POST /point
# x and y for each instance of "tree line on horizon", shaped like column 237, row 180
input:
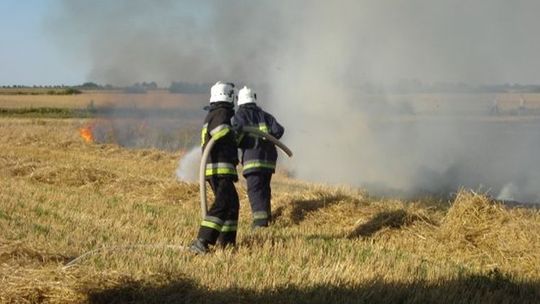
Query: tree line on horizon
column 401, row 87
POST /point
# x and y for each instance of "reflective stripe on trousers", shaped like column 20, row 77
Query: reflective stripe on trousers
column 229, row 226
column 260, row 215
column 212, row 222
column 250, row 164
column 220, row 168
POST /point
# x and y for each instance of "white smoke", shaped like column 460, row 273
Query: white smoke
column 508, row 193
column 188, row 166
column 343, row 135
column 313, row 58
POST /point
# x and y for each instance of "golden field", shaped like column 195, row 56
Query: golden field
column 155, row 98
column 98, row 223
column 429, row 103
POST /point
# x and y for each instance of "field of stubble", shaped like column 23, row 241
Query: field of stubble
column 62, row 197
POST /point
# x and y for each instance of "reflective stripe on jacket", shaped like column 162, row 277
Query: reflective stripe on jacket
column 224, row 157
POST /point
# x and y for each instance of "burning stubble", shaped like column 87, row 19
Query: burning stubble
column 311, row 59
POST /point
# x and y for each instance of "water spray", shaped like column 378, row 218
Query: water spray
column 208, row 148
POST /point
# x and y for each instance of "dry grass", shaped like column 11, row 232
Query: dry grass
column 61, row 198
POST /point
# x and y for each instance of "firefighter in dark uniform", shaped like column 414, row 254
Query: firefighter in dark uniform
column 222, row 218
column 259, row 156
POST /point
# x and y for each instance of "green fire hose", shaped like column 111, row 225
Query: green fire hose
column 208, row 148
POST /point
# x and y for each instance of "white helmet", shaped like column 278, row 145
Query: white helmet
column 222, row 91
column 246, row 95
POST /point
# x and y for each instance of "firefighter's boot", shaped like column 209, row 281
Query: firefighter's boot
column 199, row 246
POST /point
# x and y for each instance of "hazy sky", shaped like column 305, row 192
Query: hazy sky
column 56, row 41
column 27, row 54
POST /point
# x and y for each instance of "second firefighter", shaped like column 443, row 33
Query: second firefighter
column 259, row 156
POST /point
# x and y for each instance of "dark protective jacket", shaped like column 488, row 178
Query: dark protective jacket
column 223, row 158
column 258, row 154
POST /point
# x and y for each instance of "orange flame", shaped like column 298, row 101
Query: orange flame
column 86, row 134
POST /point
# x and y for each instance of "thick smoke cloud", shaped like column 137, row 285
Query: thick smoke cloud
column 486, row 41
column 166, row 40
column 312, row 57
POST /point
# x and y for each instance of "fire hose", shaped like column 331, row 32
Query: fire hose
column 208, row 148
column 202, row 181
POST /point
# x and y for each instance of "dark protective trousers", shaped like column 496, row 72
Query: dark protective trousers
column 260, row 194
column 221, row 220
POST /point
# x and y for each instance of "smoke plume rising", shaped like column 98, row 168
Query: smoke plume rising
column 309, row 61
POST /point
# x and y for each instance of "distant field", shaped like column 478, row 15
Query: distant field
column 156, row 98
column 463, row 104
column 406, row 105
column 155, row 119
column 44, row 112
